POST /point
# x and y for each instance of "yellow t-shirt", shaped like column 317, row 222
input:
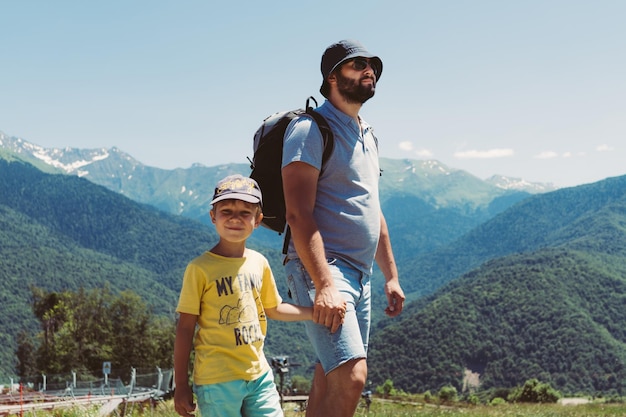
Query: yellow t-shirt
column 229, row 295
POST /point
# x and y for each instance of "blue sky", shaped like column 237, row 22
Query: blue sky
column 532, row 89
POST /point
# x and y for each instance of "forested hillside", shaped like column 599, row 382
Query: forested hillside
column 553, row 309
column 564, row 216
column 428, row 205
column 538, row 291
column 62, row 232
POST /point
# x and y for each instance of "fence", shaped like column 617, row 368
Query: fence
column 59, row 391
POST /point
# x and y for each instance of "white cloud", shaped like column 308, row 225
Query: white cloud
column 546, row 155
column 405, row 145
column 488, row 154
column 553, row 154
column 424, row 153
column 604, row 148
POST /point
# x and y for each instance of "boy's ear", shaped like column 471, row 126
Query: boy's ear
column 212, row 214
column 259, row 217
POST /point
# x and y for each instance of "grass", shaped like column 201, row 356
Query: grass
column 382, row 408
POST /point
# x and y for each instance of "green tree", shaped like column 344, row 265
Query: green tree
column 301, row 384
column 428, row 397
column 90, row 326
column 161, row 341
column 130, row 321
column 26, row 366
column 386, row 389
column 534, row 391
column 82, row 329
column 51, row 311
column 447, row 394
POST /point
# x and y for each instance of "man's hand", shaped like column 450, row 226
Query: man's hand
column 183, row 400
column 395, row 298
column 329, row 308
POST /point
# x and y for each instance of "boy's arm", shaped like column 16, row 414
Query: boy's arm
column 289, row 312
column 183, row 397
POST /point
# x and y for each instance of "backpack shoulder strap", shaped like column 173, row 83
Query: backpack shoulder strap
column 327, row 134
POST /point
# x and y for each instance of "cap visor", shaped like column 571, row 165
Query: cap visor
column 235, row 196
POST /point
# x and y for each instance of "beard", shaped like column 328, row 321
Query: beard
column 353, row 90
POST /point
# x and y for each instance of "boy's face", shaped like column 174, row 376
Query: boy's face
column 235, row 220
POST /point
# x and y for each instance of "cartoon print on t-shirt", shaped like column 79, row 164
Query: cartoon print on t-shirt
column 239, row 314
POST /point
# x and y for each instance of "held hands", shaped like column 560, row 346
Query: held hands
column 395, row 298
column 183, row 400
column 329, row 308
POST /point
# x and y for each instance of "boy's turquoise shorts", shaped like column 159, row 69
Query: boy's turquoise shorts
column 239, row 398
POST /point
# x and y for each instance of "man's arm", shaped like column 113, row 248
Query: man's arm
column 387, row 265
column 300, row 188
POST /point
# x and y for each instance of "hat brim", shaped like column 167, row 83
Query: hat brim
column 237, row 196
column 360, row 54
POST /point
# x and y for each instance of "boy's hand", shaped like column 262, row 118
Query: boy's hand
column 183, row 400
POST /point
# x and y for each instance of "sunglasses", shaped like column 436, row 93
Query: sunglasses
column 359, row 64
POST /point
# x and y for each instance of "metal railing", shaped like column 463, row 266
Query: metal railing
column 69, row 391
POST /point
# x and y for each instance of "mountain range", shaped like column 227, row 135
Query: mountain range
column 505, row 284
column 440, row 201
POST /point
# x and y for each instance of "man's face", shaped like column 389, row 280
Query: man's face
column 356, row 81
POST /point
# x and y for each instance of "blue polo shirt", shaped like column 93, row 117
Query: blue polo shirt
column 347, row 207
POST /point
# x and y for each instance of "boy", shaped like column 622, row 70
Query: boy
column 228, row 293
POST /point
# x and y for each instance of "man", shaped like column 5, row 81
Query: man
column 338, row 229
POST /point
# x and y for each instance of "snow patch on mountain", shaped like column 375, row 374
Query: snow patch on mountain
column 54, row 157
column 69, row 160
column 520, row 184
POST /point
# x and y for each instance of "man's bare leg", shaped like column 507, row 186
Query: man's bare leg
column 318, row 389
column 338, row 393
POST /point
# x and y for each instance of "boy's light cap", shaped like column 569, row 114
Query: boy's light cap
column 238, row 187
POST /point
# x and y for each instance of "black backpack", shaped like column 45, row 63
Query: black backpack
column 267, row 160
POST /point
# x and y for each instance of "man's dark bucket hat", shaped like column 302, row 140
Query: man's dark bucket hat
column 342, row 51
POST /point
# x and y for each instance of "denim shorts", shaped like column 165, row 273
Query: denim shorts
column 239, row 398
column 350, row 341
